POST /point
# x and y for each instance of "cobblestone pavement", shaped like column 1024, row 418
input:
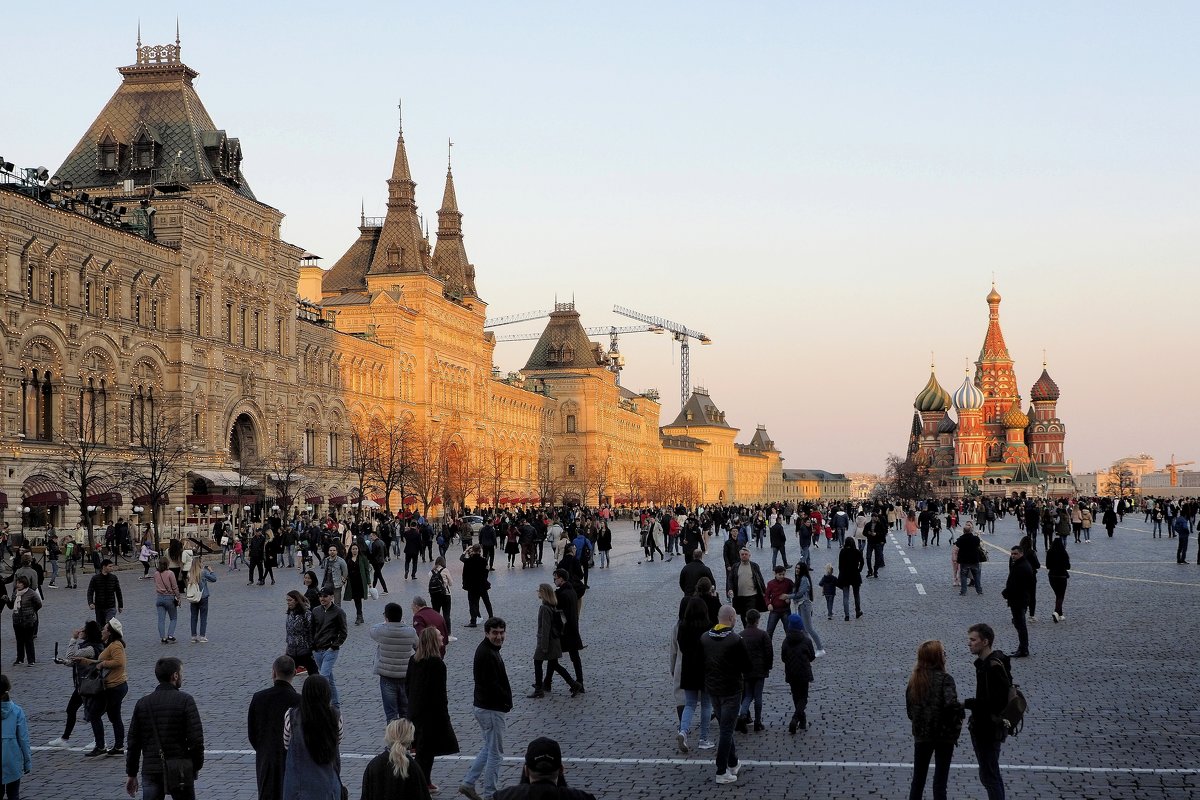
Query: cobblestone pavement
column 1107, row 716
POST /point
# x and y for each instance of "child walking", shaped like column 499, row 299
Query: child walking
column 797, row 655
column 828, row 586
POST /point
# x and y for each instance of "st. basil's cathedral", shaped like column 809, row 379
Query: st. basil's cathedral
column 991, row 446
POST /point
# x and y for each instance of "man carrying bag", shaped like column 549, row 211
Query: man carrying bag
column 166, row 727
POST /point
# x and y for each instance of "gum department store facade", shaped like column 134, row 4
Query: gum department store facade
column 189, row 304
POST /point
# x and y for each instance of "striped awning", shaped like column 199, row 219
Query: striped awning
column 41, row 492
column 102, row 493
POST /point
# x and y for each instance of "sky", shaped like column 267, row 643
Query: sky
column 827, row 190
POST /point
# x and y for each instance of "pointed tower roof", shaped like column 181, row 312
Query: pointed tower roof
column 564, row 344
column 994, row 348
column 761, row 440
column 401, row 246
column 450, row 255
column 155, row 131
column 700, row 410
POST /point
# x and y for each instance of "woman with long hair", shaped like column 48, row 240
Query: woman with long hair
column 111, row 661
column 298, row 628
column 392, row 775
column 427, row 703
column 803, row 600
column 548, row 647
column 311, row 588
column 932, row 703
column 200, row 575
column 357, row 582
column 312, row 733
column 440, row 601
column 85, row 643
column 692, row 625
column 166, row 591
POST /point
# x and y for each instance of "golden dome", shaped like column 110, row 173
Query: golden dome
column 993, row 296
column 1014, row 417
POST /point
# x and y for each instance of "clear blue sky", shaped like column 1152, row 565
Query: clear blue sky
column 826, row 190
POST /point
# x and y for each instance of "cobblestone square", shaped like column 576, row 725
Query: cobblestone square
column 1112, row 709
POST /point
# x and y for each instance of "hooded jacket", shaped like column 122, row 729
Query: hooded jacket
column 14, row 730
column 797, row 655
column 725, row 661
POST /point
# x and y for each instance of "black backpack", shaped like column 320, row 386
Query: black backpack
column 437, row 585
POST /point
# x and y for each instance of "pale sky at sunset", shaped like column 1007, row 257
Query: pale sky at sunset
column 824, row 189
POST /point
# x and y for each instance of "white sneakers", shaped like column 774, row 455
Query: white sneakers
column 734, row 770
column 820, row 653
column 59, row 742
column 681, row 742
column 202, row 639
column 726, row 777
column 705, row 744
column 1058, row 617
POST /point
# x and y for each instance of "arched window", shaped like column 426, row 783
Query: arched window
column 37, row 402
column 570, row 423
column 333, row 449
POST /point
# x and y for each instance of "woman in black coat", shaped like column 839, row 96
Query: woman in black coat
column 475, row 581
column 392, row 775
column 1109, row 520
column 850, row 564
column 427, row 702
column 692, row 625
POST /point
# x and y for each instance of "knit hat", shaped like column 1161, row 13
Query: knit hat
column 116, row 626
column 795, row 623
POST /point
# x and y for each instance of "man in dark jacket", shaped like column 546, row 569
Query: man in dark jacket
column 329, row 632
column 968, row 559
column 492, row 700
column 693, row 571
column 165, row 720
column 992, row 681
column 762, row 654
column 104, row 594
column 264, row 727
column 744, row 585
column 725, row 662
column 778, row 543
column 1017, row 592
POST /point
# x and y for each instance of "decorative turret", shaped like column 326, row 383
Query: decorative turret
column 994, row 369
column 401, row 245
column 1045, row 388
column 1047, row 434
column 933, row 397
column 968, row 397
column 947, row 425
column 1014, row 418
column 970, row 455
column 450, row 256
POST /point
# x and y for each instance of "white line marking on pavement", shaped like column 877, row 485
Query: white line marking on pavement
column 901, row 552
column 907, row 561
column 707, row 764
column 913, row 570
column 920, row 588
column 1131, row 580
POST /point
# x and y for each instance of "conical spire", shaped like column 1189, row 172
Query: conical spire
column 994, row 348
column 400, row 240
column 450, row 256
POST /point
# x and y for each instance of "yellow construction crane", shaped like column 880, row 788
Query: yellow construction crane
column 1173, row 469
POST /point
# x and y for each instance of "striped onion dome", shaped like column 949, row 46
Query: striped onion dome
column 933, row 397
column 968, row 397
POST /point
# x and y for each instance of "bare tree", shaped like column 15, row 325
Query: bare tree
column 246, row 468
column 286, row 477
column 462, row 465
column 390, row 469
column 81, row 470
column 364, row 464
column 631, row 479
column 499, row 465
column 1121, row 481
column 155, row 468
column 427, row 465
column 596, row 476
column 907, row 478
column 550, row 486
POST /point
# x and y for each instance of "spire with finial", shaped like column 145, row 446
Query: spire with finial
column 139, row 38
column 450, row 255
column 362, row 212
column 400, row 242
column 177, row 31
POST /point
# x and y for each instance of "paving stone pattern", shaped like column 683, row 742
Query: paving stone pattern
column 1113, row 712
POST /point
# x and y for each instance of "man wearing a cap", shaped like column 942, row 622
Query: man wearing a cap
column 329, row 632
column 542, row 776
column 744, row 585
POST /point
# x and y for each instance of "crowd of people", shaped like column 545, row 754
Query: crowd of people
column 719, row 671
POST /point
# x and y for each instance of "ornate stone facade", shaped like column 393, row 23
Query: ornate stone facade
column 147, row 279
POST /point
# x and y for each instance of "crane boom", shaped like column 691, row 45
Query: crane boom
column 681, row 334
column 512, row 318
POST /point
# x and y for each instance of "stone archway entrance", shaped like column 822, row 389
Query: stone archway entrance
column 243, row 441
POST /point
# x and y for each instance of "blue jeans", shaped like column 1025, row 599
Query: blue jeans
column 805, row 611
column 987, row 753
column 199, row 612
column 166, row 608
column 973, row 572
column 691, row 697
column 53, row 571
column 325, row 660
column 753, row 691
column 805, row 551
column 780, row 552
column 486, row 766
column 773, row 619
column 395, row 697
column 727, row 714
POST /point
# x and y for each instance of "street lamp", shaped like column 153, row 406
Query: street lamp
column 246, row 509
column 178, row 522
column 24, row 522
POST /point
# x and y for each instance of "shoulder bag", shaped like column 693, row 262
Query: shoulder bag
column 178, row 773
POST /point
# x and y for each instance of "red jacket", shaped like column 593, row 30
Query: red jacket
column 778, row 591
column 427, row 618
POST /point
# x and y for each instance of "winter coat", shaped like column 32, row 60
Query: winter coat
column 168, row 719
column 850, row 564
column 993, row 677
column 14, row 742
column 797, row 655
column 936, row 717
column 725, row 661
column 104, row 591
column 25, row 604
column 760, row 585
column 428, row 707
column 264, row 727
column 568, row 604
column 1058, row 561
column 396, row 644
column 380, row 781
column 761, row 652
column 549, row 646
column 691, row 656
column 492, row 689
column 474, row 574
column 1020, row 585
column 298, row 628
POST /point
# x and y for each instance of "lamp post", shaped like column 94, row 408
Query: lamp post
column 246, row 513
column 24, row 520
column 178, row 522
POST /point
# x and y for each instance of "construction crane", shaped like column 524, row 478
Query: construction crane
column 1173, row 469
column 681, row 334
column 616, row 361
column 509, row 320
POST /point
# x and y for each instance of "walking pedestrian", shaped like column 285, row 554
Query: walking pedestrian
column 726, row 662
column 993, row 677
column 264, row 727
column 778, row 598
column 312, row 734
column 475, row 582
column 393, row 775
column 358, row 569
column 377, row 552
column 745, row 587
column 566, row 593
column 166, row 601
column 104, row 593
column 199, row 577
column 166, row 727
column 15, row 753
column 334, row 576
column 395, row 643
column 802, row 600
column 762, row 656
column 428, row 706
column 1016, row 593
column 298, row 633
column 329, row 632
column 441, row 584
column 693, row 623
column 797, row 655
column 548, row 644
column 931, row 700
column 492, row 701
column 970, row 553
column 850, row 564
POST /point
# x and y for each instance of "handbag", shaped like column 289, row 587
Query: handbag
column 92, row 683
column 178, row 773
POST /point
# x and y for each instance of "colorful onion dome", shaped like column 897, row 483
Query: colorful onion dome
column 933, row 397
column 1045, row 388
column 1014, row 417
column 968, row 397
column 947, row 425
